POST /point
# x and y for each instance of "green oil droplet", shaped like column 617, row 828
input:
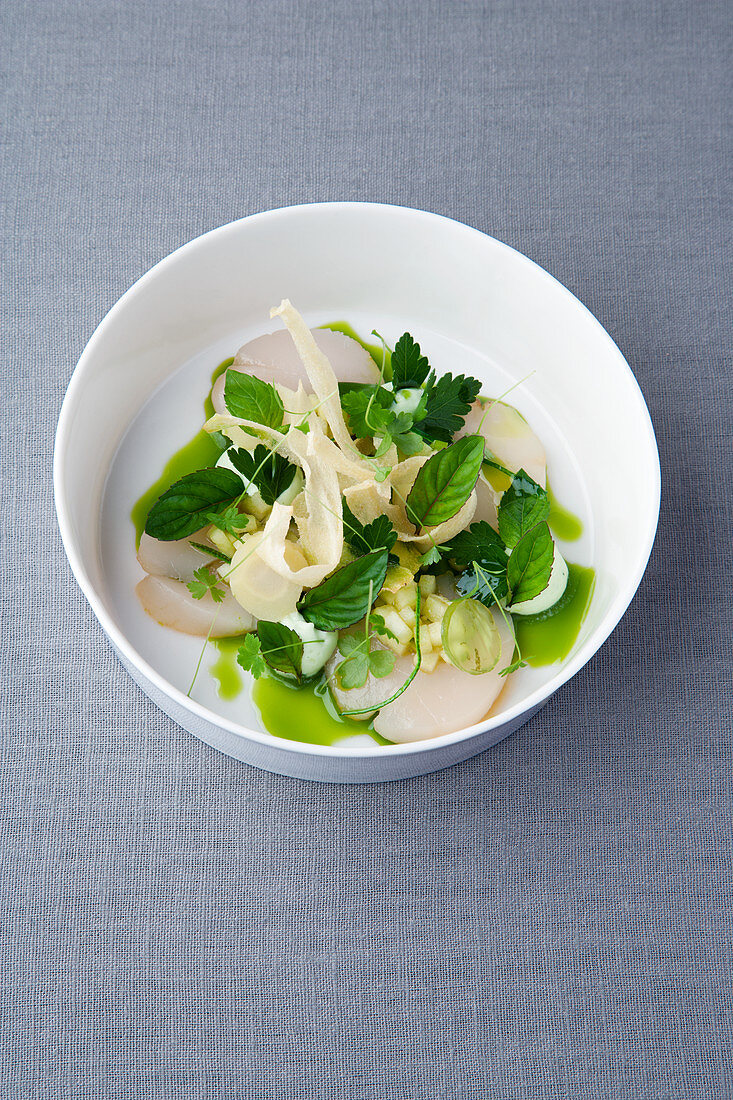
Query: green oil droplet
column 563, row 523
column 549, row 636
column 225, row 670
column 304, row 714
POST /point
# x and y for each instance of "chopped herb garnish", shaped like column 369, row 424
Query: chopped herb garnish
column 205, row 582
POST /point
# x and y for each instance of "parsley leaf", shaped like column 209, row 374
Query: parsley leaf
column 269, row 471
column 249, row 656
column 480, row 553
column 449, row 401
column 252, row 399
column 359, row 661
column 366, row 409
column 230, row 520
column 380, row 627
column 377, row 535
column 205, row 582
column 409, row 367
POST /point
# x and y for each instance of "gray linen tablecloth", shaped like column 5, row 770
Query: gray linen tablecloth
column 550, row 919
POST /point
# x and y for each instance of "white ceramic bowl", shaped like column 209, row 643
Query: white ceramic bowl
column 474, row 305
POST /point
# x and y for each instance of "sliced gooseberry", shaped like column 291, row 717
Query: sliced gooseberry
column 470, row 637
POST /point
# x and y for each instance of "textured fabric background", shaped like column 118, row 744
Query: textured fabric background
column 551, row 919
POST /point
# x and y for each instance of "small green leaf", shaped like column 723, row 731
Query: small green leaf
column 353, row 672
column 230, row 520
column 380, row 627
column 205, row 582
column 366, row 409
column 410, row 443
column 480, row 553
column 210, row 551
column 381, row 662
column 431, row 556
column 449, row 401
column 445, row 482
column 344, row 597
column 517, row 663
column 183, row 508
column 522, row 507
column 249, row 656
column 269, row 471
column 377, row 535
column 409, row 367
column 530, row 564
column 281, row 648
column 252, row 399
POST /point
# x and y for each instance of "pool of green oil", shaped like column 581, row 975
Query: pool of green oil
column 549, row 636
column 562, row 522
column 283, row 708
column 200, row 452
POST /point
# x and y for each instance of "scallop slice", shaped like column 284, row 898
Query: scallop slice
column 508, row 436
column 486, row 505
column 176, row 559
column 435, row 703
column 171, row 604
column 273, row 358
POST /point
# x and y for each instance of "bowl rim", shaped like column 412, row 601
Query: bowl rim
column 130, row 655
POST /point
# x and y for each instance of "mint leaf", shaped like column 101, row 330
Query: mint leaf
column 344, row 597
column 249, row 656
column 377, row 535
column 281, row 648
column 449, row 401
column 269, row 471
column 530, row 564
column 522, row 507
column 205, row 582
column 445, row 482
column 409, row 367
column 183, row 508
column 252, row 399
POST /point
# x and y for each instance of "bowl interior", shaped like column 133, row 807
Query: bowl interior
column 474, row 305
